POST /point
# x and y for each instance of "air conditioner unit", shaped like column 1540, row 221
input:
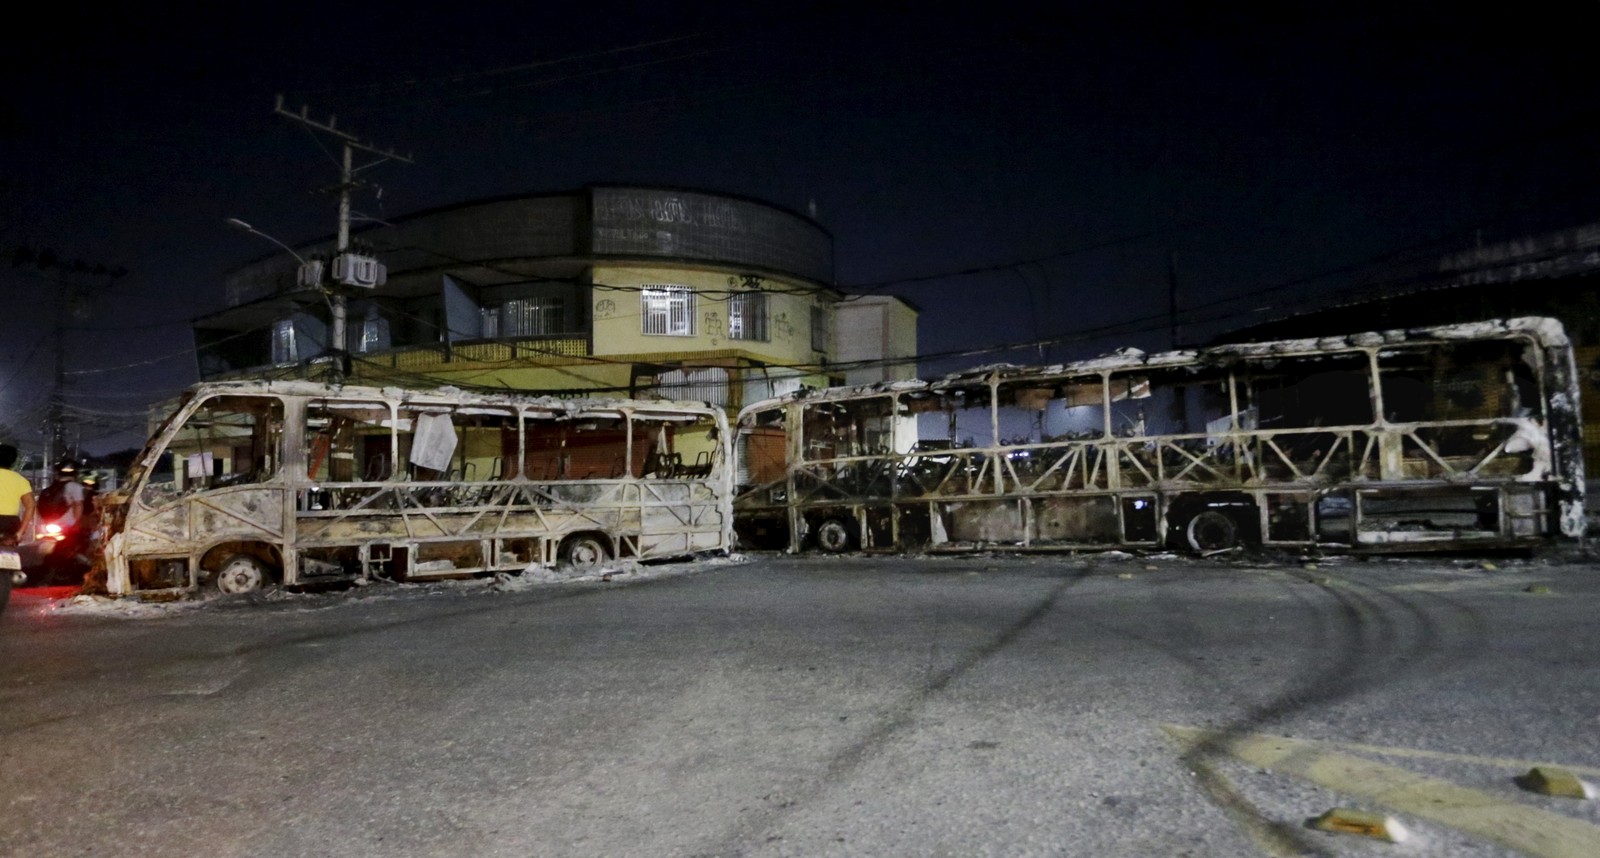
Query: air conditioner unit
column 363, row 272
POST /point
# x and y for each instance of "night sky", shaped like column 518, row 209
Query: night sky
column 1270, row 158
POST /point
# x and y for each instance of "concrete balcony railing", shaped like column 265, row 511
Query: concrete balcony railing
column 443, row 355
column 439, row 356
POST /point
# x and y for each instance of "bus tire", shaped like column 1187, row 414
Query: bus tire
column 833, row 537
column 1210, row 531
column 242, row 573
column 5, row 589
column 584, row 552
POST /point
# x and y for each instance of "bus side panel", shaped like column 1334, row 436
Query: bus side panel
column 679, row 517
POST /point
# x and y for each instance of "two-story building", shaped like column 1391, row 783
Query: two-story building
column 625, row 290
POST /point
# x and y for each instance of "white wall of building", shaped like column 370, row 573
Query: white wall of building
column 875, row 328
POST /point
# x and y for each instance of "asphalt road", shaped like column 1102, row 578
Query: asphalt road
column 1100, row 705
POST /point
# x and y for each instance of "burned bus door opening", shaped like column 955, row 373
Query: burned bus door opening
column 848, row 459
column 680, row 507
column 763, row 480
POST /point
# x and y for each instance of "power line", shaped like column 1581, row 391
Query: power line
column 482, row 93
column 189, row 352
column 87, row 329
column 124, row 394
column 1002, row 266
column 462, row 77
column 23, row 364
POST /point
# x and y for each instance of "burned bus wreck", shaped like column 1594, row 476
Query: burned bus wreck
column 1419, row 439
column 255, row 483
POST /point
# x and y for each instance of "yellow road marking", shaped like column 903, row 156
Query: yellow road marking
column 1514, row 764
column 1509, row 763
column 1517, row 826
column 1272, row 840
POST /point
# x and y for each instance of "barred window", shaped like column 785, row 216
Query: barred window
column 708, row 385
column 668, row 310
column 819, row 329
column 747, row 316
column 526, row 317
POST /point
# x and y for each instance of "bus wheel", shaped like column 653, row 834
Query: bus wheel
column 1211, row 530
column 583, row 553
column 241, row 574
column 833, row 537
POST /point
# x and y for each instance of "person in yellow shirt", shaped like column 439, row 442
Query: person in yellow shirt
column 16, row 497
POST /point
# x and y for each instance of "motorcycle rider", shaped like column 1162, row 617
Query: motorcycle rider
column 16, row 498
column 16, row 516
column 91, row 490
column 62, row 501
column 62, row 504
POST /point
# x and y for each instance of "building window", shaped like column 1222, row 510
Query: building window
column 374, row 333
column 284, row 349
column 668, row 310
column 709, row 385
column 531, row 317
column 747, row 316
column 819, row 329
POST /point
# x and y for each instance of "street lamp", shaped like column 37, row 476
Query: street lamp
column 239, row 224
column 310, row 276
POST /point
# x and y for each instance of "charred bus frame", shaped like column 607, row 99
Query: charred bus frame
column 249, row 483
column 1465, row 435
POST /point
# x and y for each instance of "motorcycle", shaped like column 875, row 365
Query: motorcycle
column 61, row 551
column 11, row 573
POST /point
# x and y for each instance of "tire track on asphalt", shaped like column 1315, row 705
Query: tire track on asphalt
column 1372, row 648
column 850, row 759
column 1272, row 837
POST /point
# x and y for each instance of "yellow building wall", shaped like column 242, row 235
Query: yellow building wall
column 619, row 341
column 619, row 317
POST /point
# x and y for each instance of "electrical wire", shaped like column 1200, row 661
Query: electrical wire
column 434, row 101
column 951, row 63
column 83, row 329
column 411, row 83
column 189, row 352
column 23, row 364
column 123, row 394
column 1004, row 266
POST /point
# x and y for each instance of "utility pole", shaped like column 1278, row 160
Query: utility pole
column 348, row 269
column 1172, row 299
column 56, row 434
column 1180, row 405
column 68, row 291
